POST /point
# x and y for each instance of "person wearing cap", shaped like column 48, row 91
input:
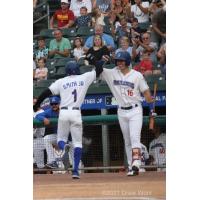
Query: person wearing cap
column 76, row 5
column 64, row 16
column 47, row 141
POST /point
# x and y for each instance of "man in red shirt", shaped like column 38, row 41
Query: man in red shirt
column 64, row 16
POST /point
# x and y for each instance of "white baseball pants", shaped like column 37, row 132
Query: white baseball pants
column 70, row 121
column 131, row 124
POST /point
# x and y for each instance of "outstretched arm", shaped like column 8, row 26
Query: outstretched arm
column 41, row 98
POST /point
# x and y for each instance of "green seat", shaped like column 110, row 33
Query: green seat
column 86, row 68
column 47, row 42
column 69, row 32
column 110, row 66
column 37, row 91
column 47, row 33
column 85, row 31
column 44, row 83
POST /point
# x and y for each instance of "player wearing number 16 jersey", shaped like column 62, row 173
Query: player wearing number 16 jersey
column 127, row 85
column 72, row 90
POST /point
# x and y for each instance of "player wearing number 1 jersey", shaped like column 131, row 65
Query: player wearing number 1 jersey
column 72, row 90
column 127, row 85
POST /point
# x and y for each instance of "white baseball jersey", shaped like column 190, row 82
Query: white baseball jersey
column 126, row 88
column 157, row 149
column 72, row 89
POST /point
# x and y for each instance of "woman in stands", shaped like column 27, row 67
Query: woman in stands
column 98, row 51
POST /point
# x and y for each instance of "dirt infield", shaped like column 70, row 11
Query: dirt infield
column 91, row 186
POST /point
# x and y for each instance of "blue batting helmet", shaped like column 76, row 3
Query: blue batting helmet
column 72, row 68
column 54, row 100
column 123, row 55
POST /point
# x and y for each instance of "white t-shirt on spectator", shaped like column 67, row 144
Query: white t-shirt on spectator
column 76, row 5
column 142, row 17
column 78, row 52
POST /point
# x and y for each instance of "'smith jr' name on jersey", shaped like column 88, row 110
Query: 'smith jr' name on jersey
column 73, row 84
column 126, row 83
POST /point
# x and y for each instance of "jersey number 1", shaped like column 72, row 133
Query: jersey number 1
column 75, row 95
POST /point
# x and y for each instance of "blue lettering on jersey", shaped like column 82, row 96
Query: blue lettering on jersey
column 120, row 82
column 81, row 83
column 69, row 85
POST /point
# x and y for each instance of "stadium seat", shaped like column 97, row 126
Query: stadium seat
column 44, row 83
column 85, row 31
column 47, row 33
column 47, row 42
column 69, row 32
column 86, row 68
column 110, row 66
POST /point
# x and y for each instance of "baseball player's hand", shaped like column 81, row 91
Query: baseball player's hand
column 152, row 113
column 46, row 121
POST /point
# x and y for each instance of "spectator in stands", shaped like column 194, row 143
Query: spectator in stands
column 97, row 17
column 64, row 16
column 76, row 5
column 34, row 3
column 154, row 6
column 98, row 51
column 60, row 46
column 41, row 71
column 78, row 48
column 135, row 29
column 120, row 9
column 157, row 148
column 34, row 68
column 161, row 55
column 145, row 66
column 42, row 51
column 84, row 19
column 107, row 39
column 123, row 29
column 146, row 45
column 103, row 5
column 158, row 33
column 140, row 11
column 125, row 46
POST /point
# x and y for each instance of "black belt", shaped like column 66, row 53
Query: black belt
column 73, row 108
column 130, row 107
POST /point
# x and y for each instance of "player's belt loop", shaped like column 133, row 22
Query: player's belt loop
column 73, row 108
column 130, row 107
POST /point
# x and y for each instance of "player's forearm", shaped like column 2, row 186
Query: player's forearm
column 41, row 98
column 148, row 97
column 157, row 30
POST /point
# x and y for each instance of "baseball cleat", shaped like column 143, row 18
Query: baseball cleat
column 135, row 170
column 130, row 172
column 52, row 165
column 75, row 175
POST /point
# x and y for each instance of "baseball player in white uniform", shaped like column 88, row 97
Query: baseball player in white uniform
column 127, row 85
column 157, row 149
column 72, row 90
